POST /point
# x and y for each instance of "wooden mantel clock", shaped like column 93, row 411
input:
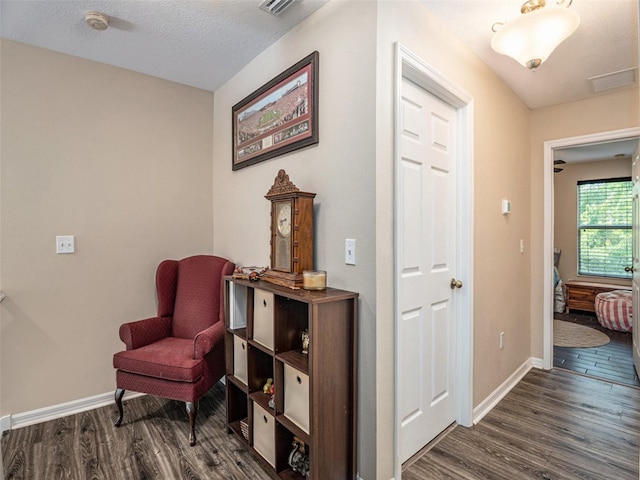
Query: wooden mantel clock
column 291, row 232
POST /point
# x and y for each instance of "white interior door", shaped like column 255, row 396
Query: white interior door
column 635, row 283
column 425, row 267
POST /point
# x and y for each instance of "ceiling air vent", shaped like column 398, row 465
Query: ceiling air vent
column 609, row 81
column 275, row 7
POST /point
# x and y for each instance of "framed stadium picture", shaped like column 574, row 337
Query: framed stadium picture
column 279, row 117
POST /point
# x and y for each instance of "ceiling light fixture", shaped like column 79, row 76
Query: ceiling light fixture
column 530, row 38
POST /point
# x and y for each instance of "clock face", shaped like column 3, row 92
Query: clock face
column 282, row 237
column 284, row 219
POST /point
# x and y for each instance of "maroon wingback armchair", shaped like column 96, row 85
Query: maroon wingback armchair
column 180, row 353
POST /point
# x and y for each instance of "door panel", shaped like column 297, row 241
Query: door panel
column 426, row 235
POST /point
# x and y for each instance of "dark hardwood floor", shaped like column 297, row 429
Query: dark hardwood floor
column 553, row 425
column 151, row 443
column 613, row 361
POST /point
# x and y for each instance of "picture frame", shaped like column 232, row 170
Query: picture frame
column 279, row 117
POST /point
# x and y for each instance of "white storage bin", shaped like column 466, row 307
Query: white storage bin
column 296, row 397
column 263, row 318
column 264, row 438
column 240, row 359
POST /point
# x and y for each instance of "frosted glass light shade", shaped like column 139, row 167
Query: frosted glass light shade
column 533, row 36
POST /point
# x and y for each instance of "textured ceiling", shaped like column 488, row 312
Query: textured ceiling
column 606, row 41
column 201, row 43
column 598, row 151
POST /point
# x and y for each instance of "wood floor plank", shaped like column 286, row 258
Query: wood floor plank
column 612, row 362
column 553, row 425
column 151, row 443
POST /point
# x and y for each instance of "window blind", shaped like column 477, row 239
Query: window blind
column 604, row 227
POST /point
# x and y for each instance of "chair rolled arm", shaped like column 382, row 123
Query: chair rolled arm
column 143, row 332
column 207, row 339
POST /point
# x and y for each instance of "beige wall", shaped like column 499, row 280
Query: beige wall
column 123, row 162
column 614, row 111
column 501, row 157
column 566, row 214
column 340, row 169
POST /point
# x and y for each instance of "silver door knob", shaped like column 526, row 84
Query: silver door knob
column 455, row 283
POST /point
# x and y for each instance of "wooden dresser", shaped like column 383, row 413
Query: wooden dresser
column 582, row 295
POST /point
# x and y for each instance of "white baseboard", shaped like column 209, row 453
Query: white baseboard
column 5, row 423
column 45, row 414
column 499, row 393
column 537, row 363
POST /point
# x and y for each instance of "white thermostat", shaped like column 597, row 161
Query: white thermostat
column 506, row 207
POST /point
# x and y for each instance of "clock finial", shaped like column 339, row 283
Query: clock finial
column 281, row 184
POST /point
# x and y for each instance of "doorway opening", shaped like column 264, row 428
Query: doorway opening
column 553, row 151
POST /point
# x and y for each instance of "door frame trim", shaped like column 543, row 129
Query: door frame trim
column 548, row 219
column 408, row 65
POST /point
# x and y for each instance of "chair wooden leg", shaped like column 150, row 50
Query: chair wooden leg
column 118, row 396
column 192, row 410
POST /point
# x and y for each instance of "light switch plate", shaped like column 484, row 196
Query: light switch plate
column 506, row 207
column 350, row 251
column 65, row 244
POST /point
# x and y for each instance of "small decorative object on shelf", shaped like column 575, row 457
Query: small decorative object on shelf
column 267, row 386
column 305, row 342
column 298, row 459
column 249, row 273
column 270, row 389
column 254, row 276
column 244, row 428
column 272, row 400
column 314, row 279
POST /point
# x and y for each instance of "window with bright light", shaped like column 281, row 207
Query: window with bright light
column 604, row 227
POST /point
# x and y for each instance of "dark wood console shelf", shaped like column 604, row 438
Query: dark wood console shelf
column 315, row 398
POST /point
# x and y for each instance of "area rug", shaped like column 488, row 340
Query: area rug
column 568, row 334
